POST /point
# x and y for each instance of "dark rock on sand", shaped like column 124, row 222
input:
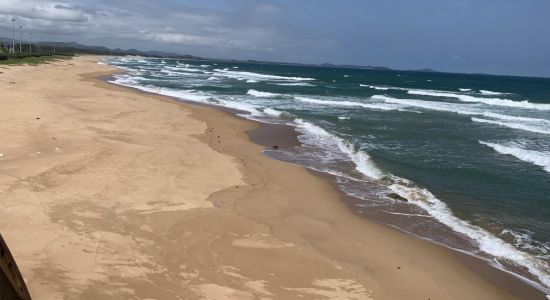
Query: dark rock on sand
column 397, row 197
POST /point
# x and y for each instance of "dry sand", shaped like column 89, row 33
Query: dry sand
column 106, row 193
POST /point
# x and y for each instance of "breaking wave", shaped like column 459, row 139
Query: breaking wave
column 489, row 101
column 520, row 126
column 261, row 94
column 344, row 103
column 538, row 158
column 241, row 75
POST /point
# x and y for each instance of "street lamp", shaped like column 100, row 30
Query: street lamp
column 30, row 42
column 20, row 38
column 53, row 45
column 13, row 35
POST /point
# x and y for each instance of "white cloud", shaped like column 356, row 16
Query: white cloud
column 44, row 10
column 250, row 31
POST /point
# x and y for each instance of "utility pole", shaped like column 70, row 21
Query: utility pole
column 53, row 45
column 13, row 35
column 30, row 42
column 20, row 39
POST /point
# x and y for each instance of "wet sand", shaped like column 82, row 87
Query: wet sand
column 106, row 192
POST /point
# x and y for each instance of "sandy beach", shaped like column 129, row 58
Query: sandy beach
column 111, row 193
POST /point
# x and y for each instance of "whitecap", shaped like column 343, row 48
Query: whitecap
column 261, row 94
column 241, row 75
column 514, row 125
column 491, row 93
column 538, row 158
column 344, row 103
column 489, row 101
column 294, row 84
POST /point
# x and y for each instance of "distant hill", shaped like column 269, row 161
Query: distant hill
column 76, row 48
column 426, row 70
column 328, row 65
column 72, row 47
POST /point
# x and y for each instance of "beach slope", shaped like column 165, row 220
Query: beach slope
column 106, row 192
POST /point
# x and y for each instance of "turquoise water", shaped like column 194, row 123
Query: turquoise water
column 470, row 153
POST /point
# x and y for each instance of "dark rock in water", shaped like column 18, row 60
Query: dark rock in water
column 397, row 197
column 275, row 147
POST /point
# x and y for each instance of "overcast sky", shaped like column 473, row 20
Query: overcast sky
column 488, row 36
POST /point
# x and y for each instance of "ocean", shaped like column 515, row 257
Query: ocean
column 461, row 160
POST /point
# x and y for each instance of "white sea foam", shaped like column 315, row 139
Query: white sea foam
column 509, row 124
column 181, row 94
column 538, row 158
column 514, row 122
column 364, row 164
column 487, row 242
column 251, row 81
column 272, row 112
column 464, row 90
column 295, row 84
column 191, row 95
column 172, row 73
column 381, row 88
column 362, row 160
column 343, row 118
column 261, row 94
column 183, row 69
column 489, row 101
column 429, row 105
column 384, row 88
column 213, row 78
column 344, row 103
column 515, row 118
column 491, row 93
column 252, row 109
column 241, row 75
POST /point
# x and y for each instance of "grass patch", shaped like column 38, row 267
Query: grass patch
column 32, row 60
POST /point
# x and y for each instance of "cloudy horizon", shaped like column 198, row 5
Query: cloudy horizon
column 489, row 36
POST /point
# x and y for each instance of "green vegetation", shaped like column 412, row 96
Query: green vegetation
column 34, row 58
column 13, row 59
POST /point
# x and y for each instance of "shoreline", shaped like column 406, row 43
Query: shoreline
column 266, row 218
column 286, row 135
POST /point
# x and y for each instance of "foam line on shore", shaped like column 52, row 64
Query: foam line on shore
column 366, row 166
